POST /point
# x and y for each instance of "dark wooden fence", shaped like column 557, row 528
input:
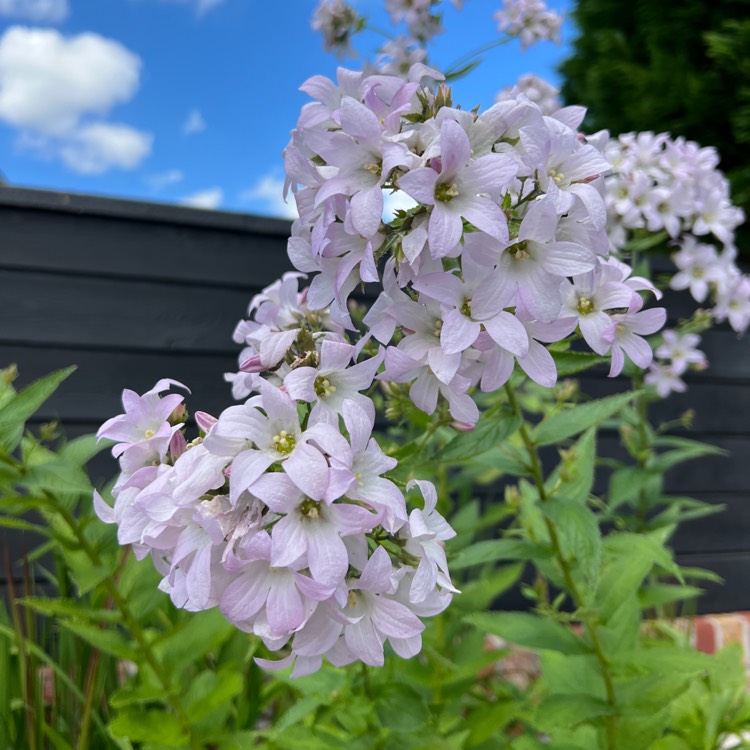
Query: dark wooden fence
column 132, row 292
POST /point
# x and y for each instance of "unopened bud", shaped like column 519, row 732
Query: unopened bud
column 444, row 97
column 252, row 364
column 177, row 445
column 178, row 416
column 205, row 421
column 9, row 374
column 49, row 431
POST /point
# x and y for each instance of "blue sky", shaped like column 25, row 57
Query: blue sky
column 192, row 101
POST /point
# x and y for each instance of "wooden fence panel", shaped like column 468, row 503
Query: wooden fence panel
column 131, row 292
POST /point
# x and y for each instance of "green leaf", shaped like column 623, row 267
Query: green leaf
column 81, row 450
column 148, row 725
column 108, row 641
column 579, row 535
column 573, row 477
column 131, row 695
column 15, row 413
column 299, row 711
column 479, row 595
column 197, row 636
column 658, row 594
column 529, row 631
column 630, row 559
column 566, row 674
column 494, row 550
column 210, row 691
column 58, row 477
column 568, row 711
column 456, row 73
column 628, row 482
column 663, row 660
column 569, row 363
column 569, row 422
column 488, row 433
column 401, row 708
column 646, row 241
column 70, row 608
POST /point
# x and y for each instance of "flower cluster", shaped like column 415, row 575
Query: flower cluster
column 282, row 512
column 287, row 524
column 504, row 251
column 677, row 354
column 672, row 185
column 543, row 94
column 530, row 20
column 338, row 22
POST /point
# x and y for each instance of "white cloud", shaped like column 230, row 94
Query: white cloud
column 96, row 148
column 48, row 82
column 269, row 191
column 194, row 123
column 39, row 11
column 52, row 85
column 210, row 198
column 162, row 180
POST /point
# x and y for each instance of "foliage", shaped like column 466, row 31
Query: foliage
column 103, row 659
column 675, row 66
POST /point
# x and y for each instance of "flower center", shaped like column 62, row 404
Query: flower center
column 373, row 168
column 519, row 250
column 284, row 442
column 358, row 477
column 466, row 308
column 585, row 305
column 446, row 191
column 352, row 599
column 556, row 176
column 309, row 508
column 438, row 327
column 149, row 434
column 323, row 387
column 698, row 272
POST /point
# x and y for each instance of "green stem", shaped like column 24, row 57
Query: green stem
column 474, row 53
column 379, row 31
column 130, row 621
column 591, row 627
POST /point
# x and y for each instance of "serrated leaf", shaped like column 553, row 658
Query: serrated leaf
column 109, row 641
column 528, row 630
column 152, row 725
column 646, row 241
column 628, row 482
column 658, row 594
column 568, row 711
column 464, row 70
column 570, row 363
column 131, row 695
column 488, row 433
column 630, row 559
column 15, row 413
column 573, row 477
column 211, row 691
column 578, row 531
column 71, row 609
column 495, row 550
column 569, row 422
column 479, row 594
column 401, row 708
column 58, row 477
column 81, row 450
